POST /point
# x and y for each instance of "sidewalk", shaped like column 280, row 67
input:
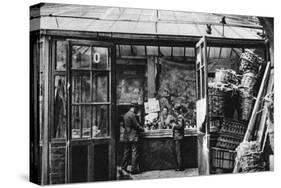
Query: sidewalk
column 156, row 174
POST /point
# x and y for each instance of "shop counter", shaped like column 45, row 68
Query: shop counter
column 157, row 150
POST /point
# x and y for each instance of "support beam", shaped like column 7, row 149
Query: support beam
column 45, row 138
column 151, row 76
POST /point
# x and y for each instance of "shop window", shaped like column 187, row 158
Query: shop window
column 189, row 52
column 139, row 50
column 100, row 93
column 166, row 51
column 90, row 121
column 225, row 52
column 81, row 87
column 83, row 91
column 152, row 50
column 125, row 50
column 213, row 52
column 90, row 103
column 60, row 63
column 100, row 58
column 178, row 51
column 81, row 56
column 59, row 122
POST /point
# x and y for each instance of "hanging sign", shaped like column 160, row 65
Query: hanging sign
column 96, row 57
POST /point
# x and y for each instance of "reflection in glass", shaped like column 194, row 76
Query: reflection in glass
column 59, row 108
column 81, row 56
column 60, row 55
column 87, row 116
column 76, row 121
column 86, row 121
column 100, row 87
column 81, row 88
column 100, row 121
column 100, row 58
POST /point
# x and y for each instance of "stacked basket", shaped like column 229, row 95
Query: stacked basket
column 249, row 65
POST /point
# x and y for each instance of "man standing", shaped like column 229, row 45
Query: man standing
column 131, row 138
column 178, row 135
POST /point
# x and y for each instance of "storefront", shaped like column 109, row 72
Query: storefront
column 86, row 76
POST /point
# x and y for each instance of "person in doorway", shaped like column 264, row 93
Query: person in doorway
column 178, row 134
column 132, row 129
column 165, row 119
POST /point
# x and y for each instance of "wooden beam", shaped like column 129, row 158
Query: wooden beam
column 262, row 125
column 153, row 39
column 151, row 77
column 45, row 138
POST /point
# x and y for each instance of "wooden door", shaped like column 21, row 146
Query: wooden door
column 202, row 108
column 91, row 107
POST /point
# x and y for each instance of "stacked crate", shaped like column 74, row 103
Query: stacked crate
column 230, row 136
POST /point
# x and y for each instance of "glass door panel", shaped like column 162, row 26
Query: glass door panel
column 89, row 78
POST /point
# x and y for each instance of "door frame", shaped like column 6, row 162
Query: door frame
column 202, row 119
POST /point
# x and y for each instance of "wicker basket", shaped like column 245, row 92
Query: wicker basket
column 246, row 102
column 249, row 62
column 248, row 80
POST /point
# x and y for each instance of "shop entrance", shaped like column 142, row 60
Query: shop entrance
column 90, row 107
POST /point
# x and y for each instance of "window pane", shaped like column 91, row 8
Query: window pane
column 76, row 121
column 166, row 50
column 87, row 116
column 81, row 56
column 59, row 123
column 125, row 50
column 60, row 55
column 86, row 121
column 138, row 50
column 178, row 51
column 100, row 58
column 100, row 87
column 152, row 50
column 81, row 87
column 100, row 121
